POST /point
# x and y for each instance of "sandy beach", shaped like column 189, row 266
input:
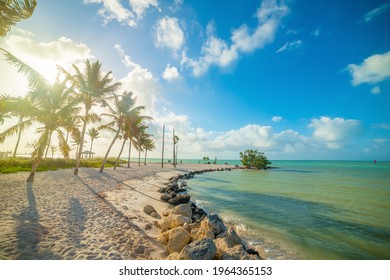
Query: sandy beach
column 90, row 216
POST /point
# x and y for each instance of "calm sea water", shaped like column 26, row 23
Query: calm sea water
column 305, row 209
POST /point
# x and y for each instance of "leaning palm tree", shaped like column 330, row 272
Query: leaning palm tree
column 122, row 109
column 49, row 107
column 93, row 133
column 91, row 86
column 13, row 11
column 133, row 126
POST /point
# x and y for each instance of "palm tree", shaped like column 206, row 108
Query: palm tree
column 49, row 107
column 91, row 88
column 17, row 107
column 148, row 145
column 94, row 134
column 13, row 11
column 122, row 109
column 133, row 126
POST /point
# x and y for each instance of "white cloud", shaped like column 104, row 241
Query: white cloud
column 42, row 56
column 140, row 81
column 115, row 10
column 216, row 51
column 334, row 132
column 290, row 46
column 376, row 12
column 168, row 34
column 373, row 69
column 170, row 73
column 376, row 90
column 251, row 135
column 277, row 119
column 140, row 6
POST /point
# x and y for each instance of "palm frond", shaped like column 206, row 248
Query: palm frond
column 35, row 79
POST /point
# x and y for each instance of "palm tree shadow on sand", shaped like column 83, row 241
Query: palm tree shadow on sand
column 76, row 217
column 29, row 231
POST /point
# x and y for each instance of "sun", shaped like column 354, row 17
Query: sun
column 47, row 68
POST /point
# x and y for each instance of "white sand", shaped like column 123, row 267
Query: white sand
column 90, row 216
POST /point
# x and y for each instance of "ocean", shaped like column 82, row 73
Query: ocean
column 304, row 209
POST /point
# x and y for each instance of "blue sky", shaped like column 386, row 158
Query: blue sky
column 295, row 79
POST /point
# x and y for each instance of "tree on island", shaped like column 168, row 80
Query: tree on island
column 254, row 159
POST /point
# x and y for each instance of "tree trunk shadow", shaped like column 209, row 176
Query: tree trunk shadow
column 28, row 230
column 76, row 217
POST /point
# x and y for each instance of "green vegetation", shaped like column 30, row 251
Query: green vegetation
column 14, row 165
column 254, row 159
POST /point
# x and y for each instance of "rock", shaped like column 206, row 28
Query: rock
column 149, row 209
column 231, row 237
column 238, row 253
column 215, row 223
column 182, row 209
column 173, row 221
column 201, row 232
column 163, row 238
column 178, row 238
column 180, row 199
column 225, row 241
column 204, row 249
column 162, row 190
column 174, row 256
column 166, row 197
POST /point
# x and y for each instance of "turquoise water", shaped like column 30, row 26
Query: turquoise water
column 305, row 209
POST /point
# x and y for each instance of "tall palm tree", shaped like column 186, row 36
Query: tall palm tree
column 49, row 107
column 122, row 109
column 92, row 86
column 13, row 11
column 93, row 133
column 17, row 107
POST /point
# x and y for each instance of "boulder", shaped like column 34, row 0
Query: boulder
column 202, row 231
column 180, row 199
column 215, row 223
column 178, row 238
column 149, row 209
column 231, row 237
column 173, row 221
column 163, row 238
column 166, row 197
column 204, row 249
column 182, row 209
column 174, row 256
column 238, row 253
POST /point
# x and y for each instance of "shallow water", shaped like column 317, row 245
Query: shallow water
column 305, row 209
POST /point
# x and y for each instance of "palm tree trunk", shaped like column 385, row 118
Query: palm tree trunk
column 146, row 152
column 91, row 148
column 108, row 151
column 48, row 144
column 139, row 157
column 37, row 161
column 76, row 170
column 128, row 158
column 120, row 153
column 17, row 142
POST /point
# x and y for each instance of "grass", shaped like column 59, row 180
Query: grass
column 14, row 165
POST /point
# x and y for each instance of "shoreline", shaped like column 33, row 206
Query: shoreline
column 90, row 216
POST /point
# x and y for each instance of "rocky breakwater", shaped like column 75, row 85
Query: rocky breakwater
column 189, row 233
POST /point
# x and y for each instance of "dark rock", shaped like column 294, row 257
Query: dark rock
column 180, row 199
column 203, row 249
column 149, row 209
column 216, row 224
column 162, row 190
column 166, row 197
